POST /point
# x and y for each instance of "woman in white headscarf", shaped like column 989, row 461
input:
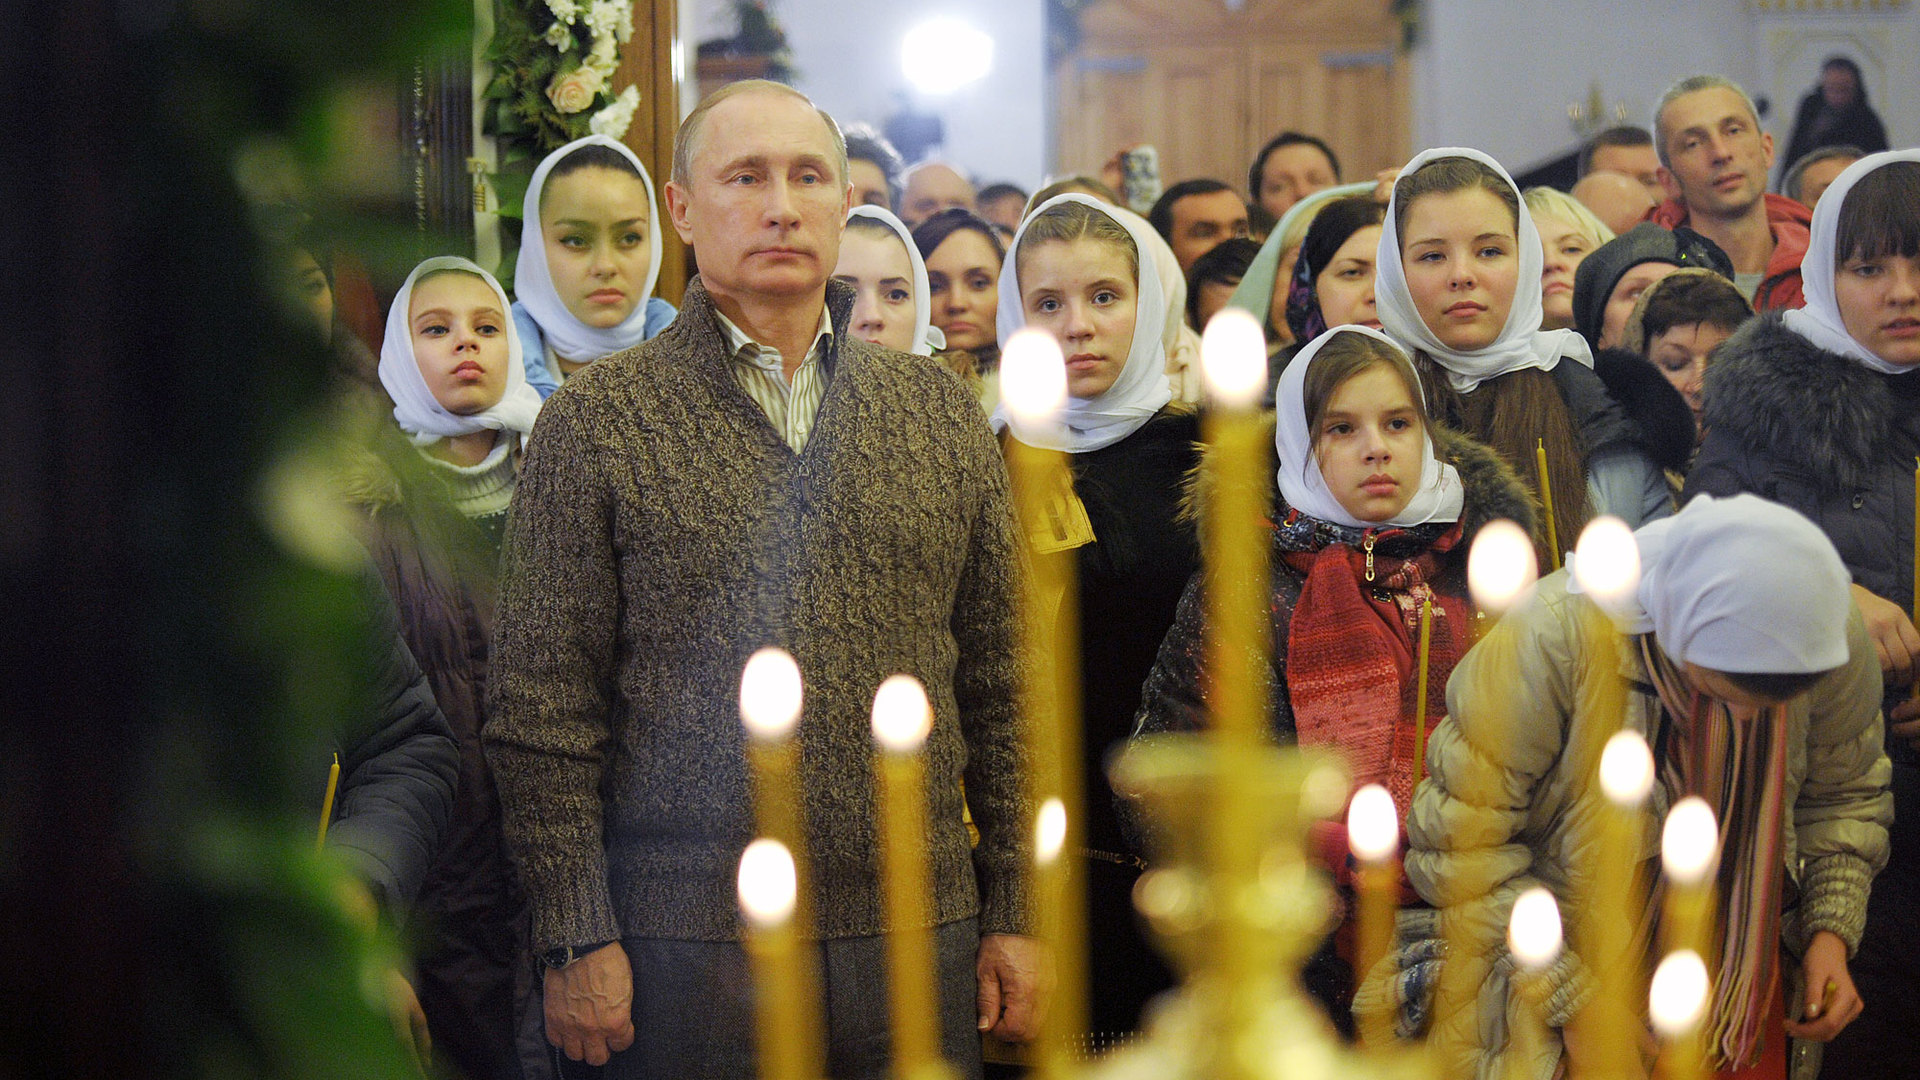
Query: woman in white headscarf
column 1085, row 273
column 1459, row 285
column 891, row 305
column 1750, row 673
column 436, row 503
column 1377, row 510
column 1819, row 408
column 589, row 260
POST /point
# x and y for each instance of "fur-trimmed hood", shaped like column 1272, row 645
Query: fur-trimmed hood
column 1491, row 488
column 1783, row 397
column 1662, row 420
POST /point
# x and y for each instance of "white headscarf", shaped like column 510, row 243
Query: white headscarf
column 1142, row 388
column 1255, row 292
column 1819, row 322
column 414, row 406
column 1440, row 497
column 926, row 336
column 570, row 338
column 1709, row 592
column 1521, row 344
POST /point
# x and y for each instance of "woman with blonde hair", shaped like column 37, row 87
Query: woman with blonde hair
column 1568, row 234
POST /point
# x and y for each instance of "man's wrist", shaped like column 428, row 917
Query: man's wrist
column 562, row 956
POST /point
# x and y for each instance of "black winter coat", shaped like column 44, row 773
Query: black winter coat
column 1817, row 432
column 397, row 769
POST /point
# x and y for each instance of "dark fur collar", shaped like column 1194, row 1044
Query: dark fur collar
column 1783, row 397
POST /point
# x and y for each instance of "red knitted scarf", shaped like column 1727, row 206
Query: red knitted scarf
column 1351, row 648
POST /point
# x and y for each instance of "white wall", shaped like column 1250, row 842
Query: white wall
column 1499, row 74
column 847, row 53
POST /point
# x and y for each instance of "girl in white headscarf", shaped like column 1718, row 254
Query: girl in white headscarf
column 1376, row 512
column 891, row 306
column 451, row 363
column 436, row 505
column 1750, row 674
column 1820, row 409
column 1459, row 285
column 589, row 259
column 1085, row 272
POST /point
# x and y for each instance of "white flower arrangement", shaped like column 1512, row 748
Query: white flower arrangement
column 614, row 119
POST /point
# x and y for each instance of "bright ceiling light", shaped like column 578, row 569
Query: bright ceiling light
column 942, row 55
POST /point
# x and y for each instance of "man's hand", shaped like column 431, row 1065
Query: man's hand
column 1894, row 637
column 590, row 1005
column 1904, row 722
column 1016, row 982
column 1832, row 1002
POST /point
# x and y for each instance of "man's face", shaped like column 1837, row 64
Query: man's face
column 1202, row 221
column 1839, row 87
column 1640, row 162
column 765, row 204
column 931, row 189
column 869, row 184
column 1292, row 173
column 1718, row 158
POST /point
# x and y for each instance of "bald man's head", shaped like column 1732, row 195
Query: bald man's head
column 1615, row 198
column 931, row 188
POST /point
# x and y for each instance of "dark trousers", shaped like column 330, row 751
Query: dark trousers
column 1882, row 1041
column 693, row 1009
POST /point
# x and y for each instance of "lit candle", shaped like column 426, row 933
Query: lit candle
column 1373, row 832
column 1500, row 566
column 784, row 1003
column 1534, row 939
column 1676, row 1003
column 901, row 720
column 1233, row 361
column 1420, row 692
column 326, row 804
column 1607, row 569
column 1546, row 503
column 1689, row 853
column 1033, row 387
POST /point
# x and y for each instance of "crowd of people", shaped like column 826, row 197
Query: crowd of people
column 589, row 508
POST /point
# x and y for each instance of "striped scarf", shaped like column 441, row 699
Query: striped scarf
column 1740, row 769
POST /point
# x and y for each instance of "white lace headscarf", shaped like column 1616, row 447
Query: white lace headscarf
column 1439, row 498
column 415, row 409
column 1142, row 388
column 1819, row 322
column 1521, row 344
column 570, row 338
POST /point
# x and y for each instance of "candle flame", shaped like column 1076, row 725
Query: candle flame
column 1033, row 379
column 1049, row 831
column 1373, row 826
column 767, row 883
column 1677, row 997
column 1606, row 564
column 770, row 694
column 1690, row 841
column 901, row 715
column 1626, row 769
column 1233, row 359
column 1500, row 566
column 1533, row 931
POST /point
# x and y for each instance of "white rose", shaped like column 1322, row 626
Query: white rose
column 575, row 90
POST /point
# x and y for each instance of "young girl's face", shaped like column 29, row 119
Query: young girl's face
column 459, row 334
column 882, row 277
column 1879, row 302
column 1345, row 288
column 963, row 281
column 1368, row 443
column 1082, row 292
column 1462, row 264
column 596, row 226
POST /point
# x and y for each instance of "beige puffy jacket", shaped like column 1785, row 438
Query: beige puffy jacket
column 1508, row 806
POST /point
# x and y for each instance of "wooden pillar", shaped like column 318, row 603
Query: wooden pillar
column 647, row 62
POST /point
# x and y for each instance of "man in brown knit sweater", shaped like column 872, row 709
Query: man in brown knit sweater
column 755, row 476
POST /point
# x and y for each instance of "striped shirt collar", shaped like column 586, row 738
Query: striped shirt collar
column 748, row 351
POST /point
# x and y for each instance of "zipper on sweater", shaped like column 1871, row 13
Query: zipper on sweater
column 1366, row 545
